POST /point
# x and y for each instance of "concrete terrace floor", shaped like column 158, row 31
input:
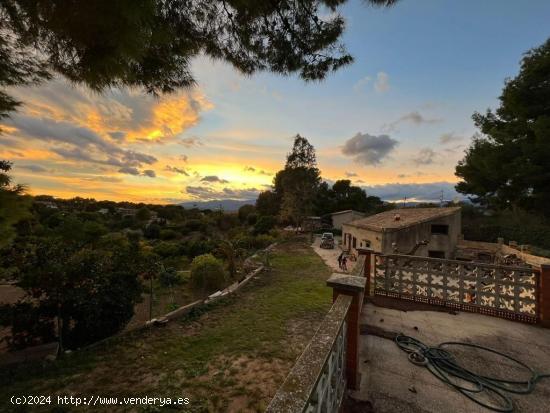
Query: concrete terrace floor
column 387, row 377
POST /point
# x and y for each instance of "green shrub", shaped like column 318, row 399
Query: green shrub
column 207, row 274
column 264, row 224
column 263, row 241
column 152, row 231
column 199, row 247
column 252, row 219
column 519, row 226
column 250, row 242
column 178, row 262
column 185, row 276
column 225, row 221
column 168, row 234
column 194, row 225
column 245, row 211
column 166, row 249
column 169, row 277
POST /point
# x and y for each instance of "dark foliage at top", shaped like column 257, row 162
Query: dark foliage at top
column 507, row 166
column 150, row 43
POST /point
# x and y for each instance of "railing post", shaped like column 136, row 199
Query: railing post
column 367, row 270
column 355, row 287
column 544, row 295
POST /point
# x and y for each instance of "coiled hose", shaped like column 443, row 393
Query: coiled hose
column 443, row 365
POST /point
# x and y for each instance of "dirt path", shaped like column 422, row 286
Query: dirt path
column 330, row 257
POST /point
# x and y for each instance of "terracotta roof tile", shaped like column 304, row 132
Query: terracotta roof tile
column 407, row 217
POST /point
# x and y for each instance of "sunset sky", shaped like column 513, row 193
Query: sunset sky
column 396, row 121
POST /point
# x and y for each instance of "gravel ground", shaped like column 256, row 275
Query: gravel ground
column 330, row 257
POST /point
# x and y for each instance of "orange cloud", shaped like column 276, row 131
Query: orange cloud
column 171, row 116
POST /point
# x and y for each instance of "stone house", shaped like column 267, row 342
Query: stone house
column 404, row 229
column 343, row 217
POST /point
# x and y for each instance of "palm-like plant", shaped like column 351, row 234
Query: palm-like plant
column 232, row 254
column 14, row 205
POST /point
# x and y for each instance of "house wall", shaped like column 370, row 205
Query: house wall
column 407, row 238
column 340, row 219
column 361, row 236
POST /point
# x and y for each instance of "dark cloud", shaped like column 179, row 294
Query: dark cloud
column 32, row 168
column 425, row 156
column 415, row 117
column 206, row 193
column 129, row 170
column 420, row 192
column 214, row 179
column 369, row 149
column 126, row 159
column 80, row 155
column 417, row 173
column 117, row 135
column 190, row 142
column 176, row 170
column 453, row 150
column 257, row 171
column 149, row 172
column 200, row 192
column 59, row 131
column 450, row 137
column 121, row 112
column 100, row 178
column 79, row 143
column 138, row 158
column 183, row 158
column 247, row 193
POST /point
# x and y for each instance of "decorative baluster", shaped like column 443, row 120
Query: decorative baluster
column 516, row 277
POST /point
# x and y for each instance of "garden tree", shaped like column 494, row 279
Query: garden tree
column 14, row 205
column 346, row 196
column 226, row 221
column 251, row 219
column 152, row 231
column 264, row 224
column 170, row 212
column 297, row 183
column 150, row 43
column 324, row 202
column 245, row 211
column 89, row 293
column 143, row 214
column 508, row 165
column 302, row 154
column 268, row 203
column 207, row 274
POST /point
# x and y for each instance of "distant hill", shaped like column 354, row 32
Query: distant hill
column 229, row 205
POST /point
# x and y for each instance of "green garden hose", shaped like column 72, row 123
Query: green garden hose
column 443, row 365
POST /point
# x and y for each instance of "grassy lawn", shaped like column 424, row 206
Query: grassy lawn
column 228, row 356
